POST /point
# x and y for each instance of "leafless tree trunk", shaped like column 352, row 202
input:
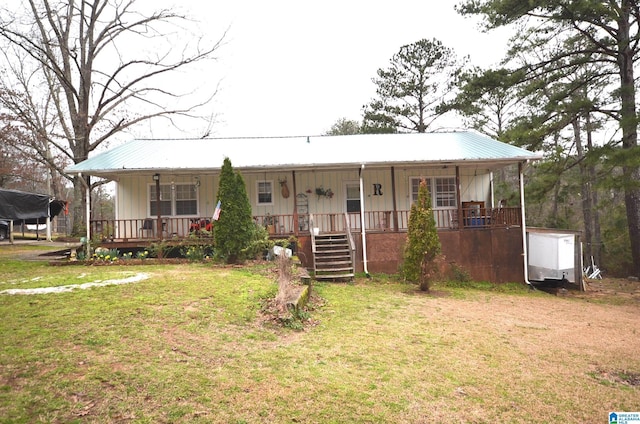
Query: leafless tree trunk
column 585, row 190
column 596, row 245
column 95, row 85
column 629, row 124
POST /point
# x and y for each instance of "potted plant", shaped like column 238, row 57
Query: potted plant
column 270, row 223
column 321, row 192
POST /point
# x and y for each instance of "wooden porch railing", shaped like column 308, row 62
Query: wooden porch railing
column 147, row 228
column 375, row 221
column 352, row 243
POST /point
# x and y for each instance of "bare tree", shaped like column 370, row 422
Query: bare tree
column 80, row 72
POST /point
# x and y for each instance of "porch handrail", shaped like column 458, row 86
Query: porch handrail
column 313, row 241
column 313, row 236
column 352, row 244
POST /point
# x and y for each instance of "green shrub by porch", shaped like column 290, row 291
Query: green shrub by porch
column 234, row 230
column 423, row 244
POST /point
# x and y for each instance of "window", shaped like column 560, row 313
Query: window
column 186, row 200
column 415, row 186
column 177, row 199
column 444, row 194
column 353, row 197
column 165, row 200
column 265, row 192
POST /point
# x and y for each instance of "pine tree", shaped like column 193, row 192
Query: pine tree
column 423, row 244
column 410, row 93
column 234, row 229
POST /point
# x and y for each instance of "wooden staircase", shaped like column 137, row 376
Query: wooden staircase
column 333, row 257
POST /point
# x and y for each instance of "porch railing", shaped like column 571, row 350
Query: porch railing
column 352, row 243
column 287, row 224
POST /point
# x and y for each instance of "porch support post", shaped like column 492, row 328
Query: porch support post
column 88, row 195
column 48, row 221
column 362, row 224
column 525, row 258
column 87, row 211
column 159, row 223
column 295, row 205
column 393, row 194
column 491, row 186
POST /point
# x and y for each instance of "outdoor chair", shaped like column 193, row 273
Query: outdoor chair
column 147, row 226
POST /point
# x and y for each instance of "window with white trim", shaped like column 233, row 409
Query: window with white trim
column 175, row 200
column 353, row 197
column 165, row 200
column 445, row 192
column 186, row 200
column 265, row 192
column 444, row 195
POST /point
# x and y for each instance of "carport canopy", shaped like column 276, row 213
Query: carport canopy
column 29, row 208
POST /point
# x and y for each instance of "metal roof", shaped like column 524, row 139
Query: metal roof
column 328, row 152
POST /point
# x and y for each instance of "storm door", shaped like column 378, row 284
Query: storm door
column 352, row 196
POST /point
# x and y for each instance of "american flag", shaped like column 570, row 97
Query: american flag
column 216, row 212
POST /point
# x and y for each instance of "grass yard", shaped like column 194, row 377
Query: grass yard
column 188, row 344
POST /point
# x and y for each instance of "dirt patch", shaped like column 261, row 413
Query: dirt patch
column 430, row 293
column 624, row 377
column 614, row 289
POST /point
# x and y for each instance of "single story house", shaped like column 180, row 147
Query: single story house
column 355, row 190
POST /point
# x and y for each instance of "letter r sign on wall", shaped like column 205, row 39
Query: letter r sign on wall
column 377, row 189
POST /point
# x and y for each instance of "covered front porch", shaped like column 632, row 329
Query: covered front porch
column 485, row 243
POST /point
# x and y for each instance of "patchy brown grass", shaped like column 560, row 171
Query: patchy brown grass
column 190, row 345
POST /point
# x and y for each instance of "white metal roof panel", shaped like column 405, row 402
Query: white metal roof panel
column 297, row 152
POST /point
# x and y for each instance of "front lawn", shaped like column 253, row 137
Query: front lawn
column 188, row 344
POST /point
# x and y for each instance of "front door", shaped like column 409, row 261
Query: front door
column 352, row 196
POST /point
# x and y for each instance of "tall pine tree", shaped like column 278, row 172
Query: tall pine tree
column 411, row 91
column 610, row 39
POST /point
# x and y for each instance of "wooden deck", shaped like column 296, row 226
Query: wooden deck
column 480, row 243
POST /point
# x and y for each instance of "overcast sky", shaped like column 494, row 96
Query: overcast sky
column 295, row 68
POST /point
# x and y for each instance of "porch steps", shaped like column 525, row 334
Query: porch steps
column 332, row 257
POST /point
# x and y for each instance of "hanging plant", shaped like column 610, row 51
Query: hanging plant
column 321, row 192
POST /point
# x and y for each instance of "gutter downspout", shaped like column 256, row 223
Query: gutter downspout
column 362, row 221
column 525, row 254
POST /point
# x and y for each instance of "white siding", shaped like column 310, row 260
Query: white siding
column 133, row 201
column 133, row 194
